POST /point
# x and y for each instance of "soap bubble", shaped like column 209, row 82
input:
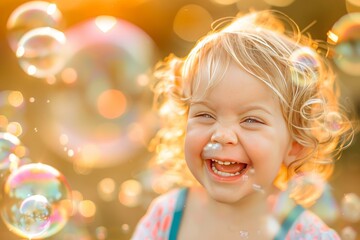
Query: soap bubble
column 104, row 58
column 41, row 52
column 42, row 190
column 211, row 149
column 305, row 66
column 333, row 122
column 31, row 15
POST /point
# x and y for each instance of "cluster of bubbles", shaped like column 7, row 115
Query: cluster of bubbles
column 34, row 34
column 35, row 200
column 97, row 62
column 103, row 63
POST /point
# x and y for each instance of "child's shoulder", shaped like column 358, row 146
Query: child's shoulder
column 310, row 226
column 158, row 218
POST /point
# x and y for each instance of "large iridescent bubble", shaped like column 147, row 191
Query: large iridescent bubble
column 36, row 201
column 100, row 114
column 31, row 15
column 345, row 34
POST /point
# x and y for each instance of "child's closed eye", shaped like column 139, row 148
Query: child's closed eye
column 252, row 120
column 205, row 115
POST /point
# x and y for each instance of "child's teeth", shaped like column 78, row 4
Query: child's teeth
column 223, row 163
column 220, row 173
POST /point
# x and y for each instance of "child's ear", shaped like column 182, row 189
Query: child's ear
column 295, row 151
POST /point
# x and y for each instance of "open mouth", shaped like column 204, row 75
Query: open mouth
column 227, row 169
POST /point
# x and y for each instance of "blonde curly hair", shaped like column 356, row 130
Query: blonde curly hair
column 269, row 46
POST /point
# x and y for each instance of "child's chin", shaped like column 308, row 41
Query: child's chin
column 228, row 196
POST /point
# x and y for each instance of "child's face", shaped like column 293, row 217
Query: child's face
column 244, row 116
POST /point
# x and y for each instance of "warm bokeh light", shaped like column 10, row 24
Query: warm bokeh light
column 191, row 22
column 14, row 128
column 106, row 189
column 279, row 3
column 111, row 103
column 15, row 98
column 245, row 5
column 69, row 75
column 129, row 193
column 63, row 139
column 224, row 2
column 143, row 80
column 87, row 208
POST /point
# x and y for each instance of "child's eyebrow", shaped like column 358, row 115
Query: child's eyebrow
column 244, row 108
column 200, row 102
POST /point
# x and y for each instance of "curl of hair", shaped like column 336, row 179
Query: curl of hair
column 281, row 57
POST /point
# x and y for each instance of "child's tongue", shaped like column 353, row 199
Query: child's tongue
column 232, row 168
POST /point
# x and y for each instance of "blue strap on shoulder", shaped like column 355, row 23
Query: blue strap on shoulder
column 179, row 207
column 288, row 222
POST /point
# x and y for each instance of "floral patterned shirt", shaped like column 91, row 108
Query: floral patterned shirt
column 159, row 221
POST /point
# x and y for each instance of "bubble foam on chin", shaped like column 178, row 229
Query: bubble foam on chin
column 211, row 149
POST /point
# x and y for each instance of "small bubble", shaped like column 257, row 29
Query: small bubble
column 333, row 121
column 257, row 188
column 35, row 130
column 245, row 177
column 305, row 66
column 210, row 149
column 125, row 228
column 32, row 99
column 48, row 101
column 348, row 233
column 350, row 207
column 244, row 234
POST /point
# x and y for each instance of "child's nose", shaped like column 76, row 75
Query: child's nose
column 224, row 135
